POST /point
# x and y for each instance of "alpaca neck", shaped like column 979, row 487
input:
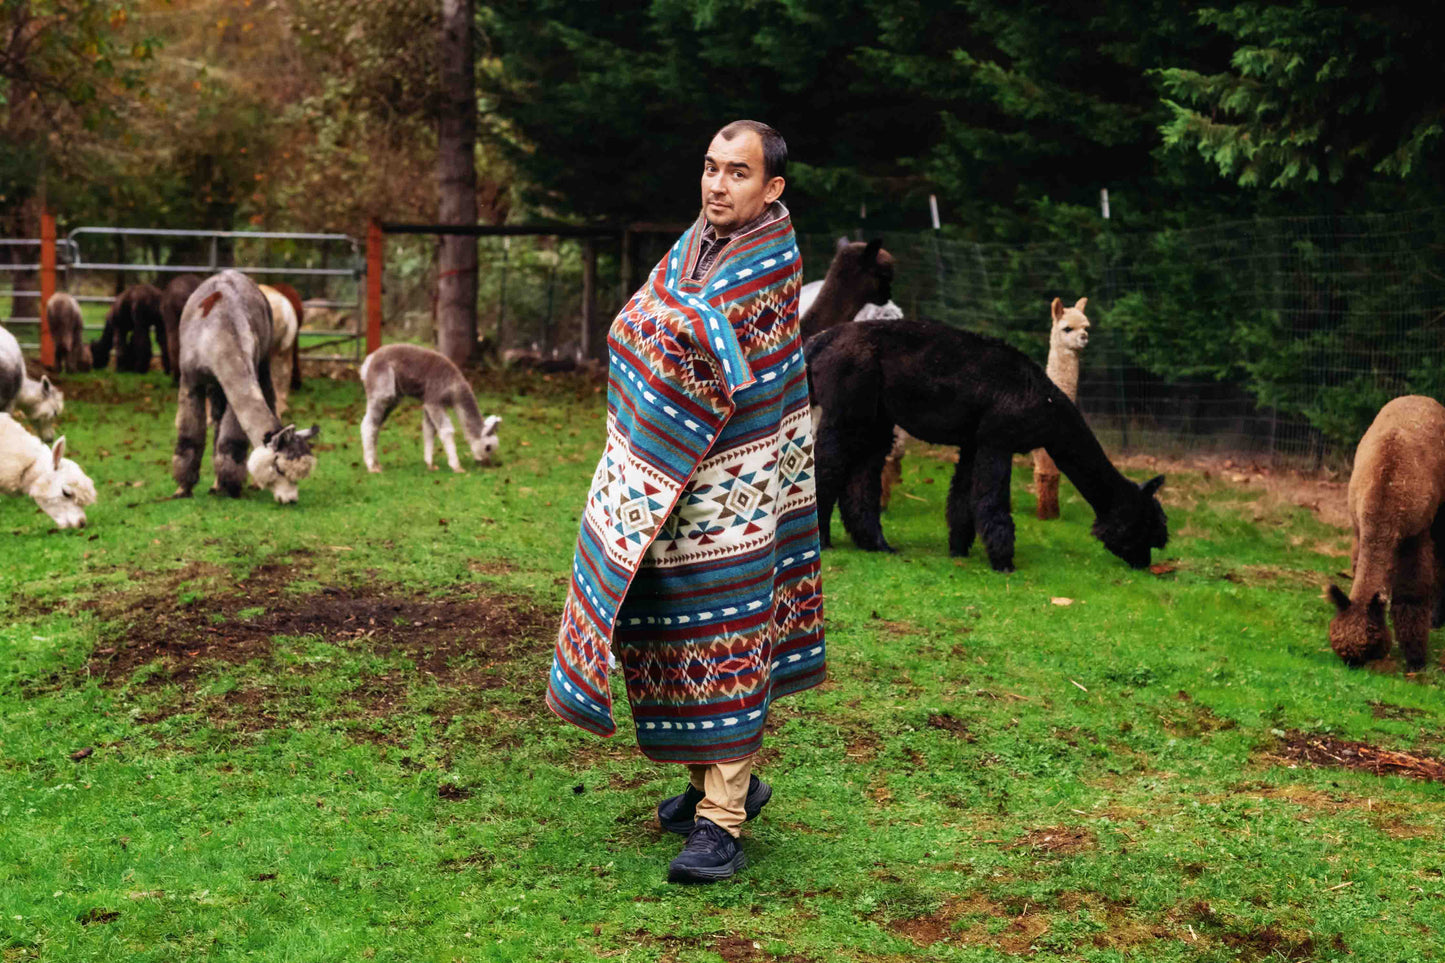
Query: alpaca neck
column 1374, row 567
column 467, row 411
column 1081, row 458
column 1063, row 369
column 30, row 394
column 835, row 304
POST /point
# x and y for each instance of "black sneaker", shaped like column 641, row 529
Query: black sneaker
column 710, row 854
column 676, row 813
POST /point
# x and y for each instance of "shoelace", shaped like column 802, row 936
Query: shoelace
column 704, row 839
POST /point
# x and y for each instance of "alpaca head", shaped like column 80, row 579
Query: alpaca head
column 1357, row 632
column 62, row 490
column 43, row 404
column 283, row 460
column 485, row 445
column 1071, row 327
column 866, row 270
column 1134, row 524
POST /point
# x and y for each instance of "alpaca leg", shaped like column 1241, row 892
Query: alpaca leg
column 190, row 438
column 858, row 503
column 892, row 468
column 281, row 381
column 428, row 440
column 830, row 459
column 447, row 433
column 230, row 456
column 168, row 361
column 991, row 508
column 268, row 390
column 1413, row 599
column 377, row 408
column 961, row 529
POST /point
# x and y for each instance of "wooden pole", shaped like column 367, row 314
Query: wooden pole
column 47, row 286
column 590, row 346
column 373, row 285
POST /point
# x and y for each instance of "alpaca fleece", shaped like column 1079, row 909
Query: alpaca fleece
column 1068, row 336
column 954, row 387
column 128, row 324
column 173, row 302
column 697, row 566
column 1397, row 488
column 67, row 330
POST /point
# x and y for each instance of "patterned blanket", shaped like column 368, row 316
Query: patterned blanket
column 697, row 567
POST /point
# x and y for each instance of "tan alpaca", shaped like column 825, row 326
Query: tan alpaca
column 1397, row 492
column 1067, row 339
column 284, row 326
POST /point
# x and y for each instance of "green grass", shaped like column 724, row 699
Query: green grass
column 986, row 774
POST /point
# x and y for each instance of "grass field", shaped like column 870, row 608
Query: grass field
column 234, row 730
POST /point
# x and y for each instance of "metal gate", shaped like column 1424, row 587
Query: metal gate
column 327, row 269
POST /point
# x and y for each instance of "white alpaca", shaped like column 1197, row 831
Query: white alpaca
column 41, row 401
column 284, row 325
column 407, row 369
column 56, row 483
column 1067, row 339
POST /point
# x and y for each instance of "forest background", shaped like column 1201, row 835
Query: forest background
column 322, row 114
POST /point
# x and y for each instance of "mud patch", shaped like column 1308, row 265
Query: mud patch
column 1386, row 710
column 1018, row 937
column 948, row 723
column 1314, row 750
column 1270, row 943
column 1057, row 840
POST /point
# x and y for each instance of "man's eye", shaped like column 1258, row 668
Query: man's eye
column 739, row 175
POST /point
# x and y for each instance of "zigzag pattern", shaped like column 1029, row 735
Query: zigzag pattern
column 678, row 575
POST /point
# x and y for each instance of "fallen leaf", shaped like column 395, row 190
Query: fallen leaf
column 80, row 754
column 1060, row 600
column 1164, row 568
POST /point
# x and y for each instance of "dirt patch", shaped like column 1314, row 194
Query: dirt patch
column 1316, row 750
column 1016, row 938
column 189, row 623
column 948, row 723
column 1270, row 943
column 1385, row 710
column 1057, row 840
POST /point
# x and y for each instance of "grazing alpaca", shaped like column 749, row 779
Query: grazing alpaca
column 225, row 338
column 285, row 322
column 41, row 401
column 173, row 302
column 67, row 330
column 128, row 324
column 860, row 274
column 29, row 467
column 407, row 369
column 1397, row 489
column 953, row 387
column 1067, row 339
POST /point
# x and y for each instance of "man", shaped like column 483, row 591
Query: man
column 697, row 567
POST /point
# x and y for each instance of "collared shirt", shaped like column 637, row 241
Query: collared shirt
column 711, row 245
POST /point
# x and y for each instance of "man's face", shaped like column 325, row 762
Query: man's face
column 734, row 188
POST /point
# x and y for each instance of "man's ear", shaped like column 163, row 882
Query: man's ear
column 774, row 190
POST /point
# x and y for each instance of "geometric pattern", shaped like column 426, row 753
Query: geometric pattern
column 697, row 570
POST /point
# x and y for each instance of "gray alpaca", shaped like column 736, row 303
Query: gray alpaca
column 407, row 369
column 225, row 349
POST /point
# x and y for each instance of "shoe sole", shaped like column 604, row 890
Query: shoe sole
column 749, row 813
column 713, row 874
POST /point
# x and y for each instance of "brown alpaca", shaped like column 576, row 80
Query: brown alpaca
column 1067, row 339
column 173, row 302
column 859, row 274
column 67, row 330
column 1396, row 491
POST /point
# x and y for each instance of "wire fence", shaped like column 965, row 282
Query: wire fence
column 1277, row 338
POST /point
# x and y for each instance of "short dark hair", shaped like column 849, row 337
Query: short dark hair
column 775, row 149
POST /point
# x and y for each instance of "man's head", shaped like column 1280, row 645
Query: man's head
column 742, row 174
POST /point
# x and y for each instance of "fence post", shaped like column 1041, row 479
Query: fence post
column 47, row 286
column 373, row 285
column 589, row 298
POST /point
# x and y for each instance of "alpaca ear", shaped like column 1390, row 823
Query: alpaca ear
column 1152, row 485
column 1341, row 600
column 57, row 452
column 1057, row 309
column 870, row 253
column 309, row 433
column 1079, row 306
column 45, row 387
column 841, row 245
column 1376, row 607
column 489, row 427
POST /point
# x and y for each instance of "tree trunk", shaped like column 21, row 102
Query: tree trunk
column 456, row 168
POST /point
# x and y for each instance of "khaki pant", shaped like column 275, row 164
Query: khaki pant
column 726, row 788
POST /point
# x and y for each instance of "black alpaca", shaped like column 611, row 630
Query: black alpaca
column 953, row 387
column 128, row 324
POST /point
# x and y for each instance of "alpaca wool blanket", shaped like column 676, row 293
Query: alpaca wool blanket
column 697, row 566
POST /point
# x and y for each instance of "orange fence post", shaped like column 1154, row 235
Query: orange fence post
column 47, row 286
column 373, row 285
